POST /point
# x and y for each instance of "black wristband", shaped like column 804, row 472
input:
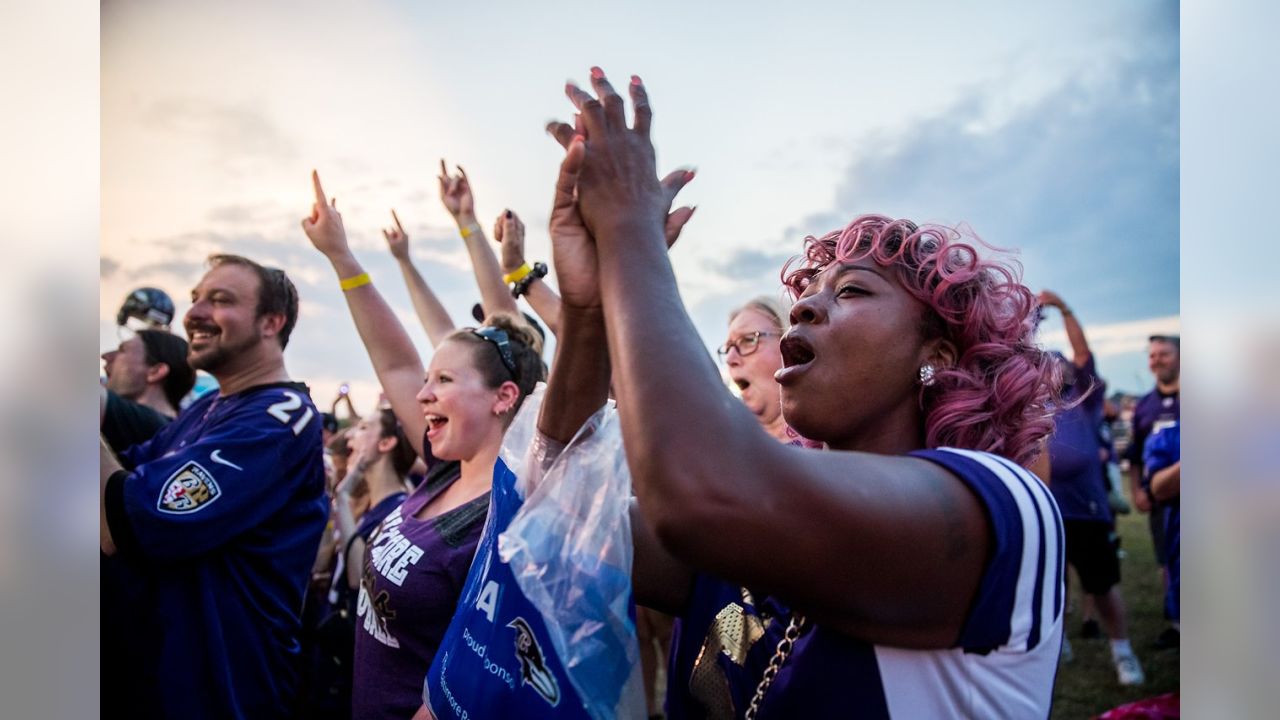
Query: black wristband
column 521, row 286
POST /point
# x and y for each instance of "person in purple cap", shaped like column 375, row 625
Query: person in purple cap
column 912, row 569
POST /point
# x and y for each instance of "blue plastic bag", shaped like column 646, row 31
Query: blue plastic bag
column 569, row 549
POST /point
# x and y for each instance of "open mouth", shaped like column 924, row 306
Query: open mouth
column 435, row 423
column 797, row 355
column 742, row 383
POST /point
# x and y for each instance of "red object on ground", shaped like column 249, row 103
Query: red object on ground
column 1160, row 707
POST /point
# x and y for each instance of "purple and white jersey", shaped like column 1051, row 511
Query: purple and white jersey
column 1002, row 665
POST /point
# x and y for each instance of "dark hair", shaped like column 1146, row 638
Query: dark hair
column 402, row 455
column 338, row 444
column 1174, row 340
column 276, row 293
column 526, row 350
column 161, row 346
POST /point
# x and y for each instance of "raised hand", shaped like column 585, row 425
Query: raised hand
column 455, row 193
column 670, row 185
column 397, row 239
column 573, row 250
column 324, row 226
column 1049, row 298
column 508, row 231
column 573, row 247
column 617, row 184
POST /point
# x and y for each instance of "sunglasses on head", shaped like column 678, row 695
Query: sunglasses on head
column 498, row 338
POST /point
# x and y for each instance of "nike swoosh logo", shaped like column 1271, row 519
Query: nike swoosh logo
column 216, row 456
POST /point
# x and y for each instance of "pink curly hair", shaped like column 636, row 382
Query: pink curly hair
column 999, row 395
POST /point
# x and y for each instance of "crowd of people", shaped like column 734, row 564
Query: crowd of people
column 880, row 521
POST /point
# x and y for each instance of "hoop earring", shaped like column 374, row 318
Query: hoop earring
column 927, row 375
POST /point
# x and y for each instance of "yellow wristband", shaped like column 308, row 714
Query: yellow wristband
column 352, row 283
column 469, row 229
column 518, row 274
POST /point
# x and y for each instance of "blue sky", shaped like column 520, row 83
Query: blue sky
column 1053, row 131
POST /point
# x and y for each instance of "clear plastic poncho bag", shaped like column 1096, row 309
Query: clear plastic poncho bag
column 569, row 548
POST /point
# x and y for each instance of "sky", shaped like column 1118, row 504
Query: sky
column 1050, row 131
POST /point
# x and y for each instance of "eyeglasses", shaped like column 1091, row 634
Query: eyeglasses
column 498, row 337
column 746, row 344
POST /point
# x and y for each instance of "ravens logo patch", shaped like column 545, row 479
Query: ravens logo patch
column 188, row 490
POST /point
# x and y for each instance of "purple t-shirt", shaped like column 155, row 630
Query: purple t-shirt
column 1153, row 412
column 414, row 571
column 1075, row 474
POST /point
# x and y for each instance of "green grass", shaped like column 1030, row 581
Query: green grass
column 1087, row 686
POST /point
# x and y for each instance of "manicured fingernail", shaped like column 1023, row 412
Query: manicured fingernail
column 508, row 214
column 689, row 174
column 596, row 73
column 635, row 80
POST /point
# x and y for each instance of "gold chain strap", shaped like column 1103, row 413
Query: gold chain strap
column 785, row 645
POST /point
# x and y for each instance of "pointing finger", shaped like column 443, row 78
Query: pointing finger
column 315, row 181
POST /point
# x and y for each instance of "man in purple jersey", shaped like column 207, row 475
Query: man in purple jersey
column 222, row 511
column 1079, row 486
column 1156, row 410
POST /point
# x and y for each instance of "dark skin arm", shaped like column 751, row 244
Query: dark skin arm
column 889, row 549
column 579, row 382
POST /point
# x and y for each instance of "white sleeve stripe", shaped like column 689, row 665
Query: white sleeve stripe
column 1021, row 620
column 1051, row 595
column 1035, row 513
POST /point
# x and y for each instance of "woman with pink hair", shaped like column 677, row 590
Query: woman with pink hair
column 913, row 568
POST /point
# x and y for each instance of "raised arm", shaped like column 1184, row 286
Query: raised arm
column 395, row 360
column 344, row 396
column 455, row 193
column 902, row 543
column 346, row 520
column 431, row 313
column 508, row 232
column 1075, row 333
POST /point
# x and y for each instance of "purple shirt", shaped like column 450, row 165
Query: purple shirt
column 414, row 571
column 1153, row 412
column 1075, row 472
